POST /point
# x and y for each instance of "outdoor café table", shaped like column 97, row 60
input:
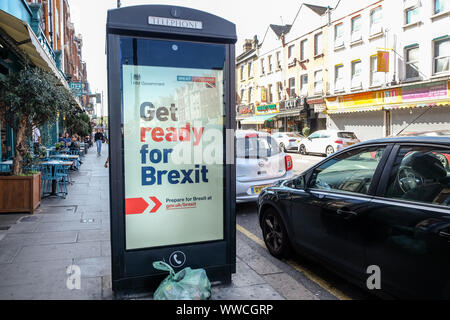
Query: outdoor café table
column 66, row 157
column 54, row 163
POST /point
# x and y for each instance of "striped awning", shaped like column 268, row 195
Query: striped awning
column 352, row 110
column 259, row 119
column 439, row 103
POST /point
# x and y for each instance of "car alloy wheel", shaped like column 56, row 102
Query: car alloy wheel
column 274, row 233
column 329, row 150
column 302, row 150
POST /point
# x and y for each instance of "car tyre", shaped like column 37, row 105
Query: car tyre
column 329, row 150
column 275, row 234
column 302, row 149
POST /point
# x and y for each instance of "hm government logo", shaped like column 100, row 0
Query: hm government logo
column 137, row 77
column 136, row 80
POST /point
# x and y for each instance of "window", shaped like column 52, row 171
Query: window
column 349, row 172
column 442, row 55
column 242, row 72
column 304, row 84
column 339, row 35
column 318, row 81
column 375, row 20
column 269, row 59
column 250, row 91
column 263, row 71
column 318, row 45
column 356, row 74
column 278, row 61
column 375, row 77
column 269, row 94
column 339, row 77
column 411, row 15
column 250, row 69
column 242, row 95
column 421, row 174
column 256, row 147
column 291, row 54
column 279, row 90
column 412, row 63
column 303, row 50
column 441, row 6
column 292, row 88
column 356, row 29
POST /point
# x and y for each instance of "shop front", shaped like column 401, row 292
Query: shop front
column 264, row 118
column 381, row 113
column 293, row 115
column 317, row 116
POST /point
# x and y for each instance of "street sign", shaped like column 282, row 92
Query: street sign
column 171, row 101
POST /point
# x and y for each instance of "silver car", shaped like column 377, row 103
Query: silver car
column 259, row 164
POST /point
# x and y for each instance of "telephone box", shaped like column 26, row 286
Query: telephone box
column 171, row 101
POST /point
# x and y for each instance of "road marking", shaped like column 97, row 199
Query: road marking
column 309, row 274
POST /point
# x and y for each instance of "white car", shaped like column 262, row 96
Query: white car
column 288, row 140
column 259, row 164
column 327, row 142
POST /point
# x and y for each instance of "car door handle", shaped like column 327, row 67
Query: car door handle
column 346, row 213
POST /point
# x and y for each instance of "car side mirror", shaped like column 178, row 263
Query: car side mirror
column 299, row 183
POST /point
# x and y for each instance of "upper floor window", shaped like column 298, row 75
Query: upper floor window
column 250, row 69
column 318, row 81
column 292, row 88
column 442, row 55
column 269, row 94
column 278, row 60
column 318, row 45
column 304, row 84
column 242, row 72
column 356, row 28
column 375, row 76
column 242, row 95
column 250, row 94
column 441, row 6
column 339, row 35
column 356, row 74
column 412, row 15
column 263, row 67
column 375, row 20
column 269, row 60
column 291, row 51
column 339, row 77
column 303, row 50
column 412, row 62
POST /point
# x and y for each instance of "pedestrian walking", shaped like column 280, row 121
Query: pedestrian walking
column 98, row 141
column 36, row 140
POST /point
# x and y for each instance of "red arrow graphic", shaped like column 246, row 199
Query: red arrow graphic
column 158, row 204
column 135, row 206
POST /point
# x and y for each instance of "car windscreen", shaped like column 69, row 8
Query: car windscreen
column 256, row 147
column 347, row 135
column 293, row 135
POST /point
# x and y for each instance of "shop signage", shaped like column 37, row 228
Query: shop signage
column 318, row 108
column 425, row 91
column 77, row 88
column 177, row 23
column 263, row 94
column 245, row 110
column 267, row 109
column 382, row 61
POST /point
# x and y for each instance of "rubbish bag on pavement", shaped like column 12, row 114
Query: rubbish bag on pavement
column 188, row 284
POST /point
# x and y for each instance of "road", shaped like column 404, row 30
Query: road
column 303, row 274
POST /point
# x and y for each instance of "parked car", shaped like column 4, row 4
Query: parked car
column 327, row 142
column 354, row 210
column 259, row 164
column 288, row 140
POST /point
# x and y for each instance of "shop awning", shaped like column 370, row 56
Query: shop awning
column 259, row 119
column 438, row 103
column 351, row 110
column 26, row 40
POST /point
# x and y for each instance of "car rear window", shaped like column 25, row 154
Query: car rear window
column 347, row 135
column 293, row 135
column 256, row 147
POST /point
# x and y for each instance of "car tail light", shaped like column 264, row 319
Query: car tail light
column 339, row 142
column 292, row 140
column 288, row 163
column 251, row 135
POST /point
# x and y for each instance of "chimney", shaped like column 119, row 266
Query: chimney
column 255, row 42
column 247, row 45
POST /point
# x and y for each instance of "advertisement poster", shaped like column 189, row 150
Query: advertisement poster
column 173, row 153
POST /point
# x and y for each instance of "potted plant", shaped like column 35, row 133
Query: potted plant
column 28, row 98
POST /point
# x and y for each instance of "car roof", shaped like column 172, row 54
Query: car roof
column 410, row 139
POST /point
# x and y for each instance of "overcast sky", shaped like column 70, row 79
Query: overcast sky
column 250, row 16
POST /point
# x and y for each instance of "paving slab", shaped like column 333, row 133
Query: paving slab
column 21, row 239
column 256, row 292
column 288, row 287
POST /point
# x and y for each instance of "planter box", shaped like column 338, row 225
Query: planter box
column 20, row 194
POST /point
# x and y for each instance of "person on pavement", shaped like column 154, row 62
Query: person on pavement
column 36, row 140
column 98, row 141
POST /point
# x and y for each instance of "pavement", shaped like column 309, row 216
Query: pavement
column 41, row 254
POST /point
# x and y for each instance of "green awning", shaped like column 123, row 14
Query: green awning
column 259, row 119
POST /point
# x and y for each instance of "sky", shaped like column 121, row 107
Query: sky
column 251, row 17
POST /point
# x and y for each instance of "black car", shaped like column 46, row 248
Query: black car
column 380, row 204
